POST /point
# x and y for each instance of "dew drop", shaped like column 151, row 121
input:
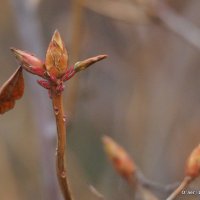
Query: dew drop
column 64, row 118
column 56, row 110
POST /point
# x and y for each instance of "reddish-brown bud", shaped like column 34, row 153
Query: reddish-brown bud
column 119, row 158
column 29, row 62
column 81, row 65
column 193, row 163
column 56, row 58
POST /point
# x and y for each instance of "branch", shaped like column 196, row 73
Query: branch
column 186, row 181
column 146, row 183
column 127, row 169
column 57, row 101
column 139, row 190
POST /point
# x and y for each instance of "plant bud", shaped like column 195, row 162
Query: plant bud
column 193, row 163
column 26, row 58
column 119, row 158
column 56, row 58
column 81, row 65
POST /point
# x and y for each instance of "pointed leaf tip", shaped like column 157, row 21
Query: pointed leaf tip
column 11, row 91
column 17, row 53
column 81, row 65
column 56, row 57
column 56, row 38
column 26, row 58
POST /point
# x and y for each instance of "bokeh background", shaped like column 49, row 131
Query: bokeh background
column 146, row 95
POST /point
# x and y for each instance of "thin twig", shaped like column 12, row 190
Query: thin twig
column 139, row 190
column 134, row 184
column 153, row 185
column 57, row 100
column 186, row 181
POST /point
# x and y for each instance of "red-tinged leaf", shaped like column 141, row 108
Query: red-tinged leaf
column 56, row 57
column 11, row 90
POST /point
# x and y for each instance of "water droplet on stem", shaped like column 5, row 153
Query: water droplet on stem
column 64, row 118
column 56, row 110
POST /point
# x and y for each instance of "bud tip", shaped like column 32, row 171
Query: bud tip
column 193, row 163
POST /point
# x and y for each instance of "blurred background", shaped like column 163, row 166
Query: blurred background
column 146, row 95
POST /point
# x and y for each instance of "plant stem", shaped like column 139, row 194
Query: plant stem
column 57, row 100
column 186, row 181
column 139, row 191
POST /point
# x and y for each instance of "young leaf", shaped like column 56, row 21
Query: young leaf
column 56, row 57
column 29, row 62
column 11, row 90
column 82, row 65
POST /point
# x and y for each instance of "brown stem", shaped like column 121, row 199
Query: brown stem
column 57, row 100
column 140, row 191
column 186, row 181
column 153, row 186
column 134, row 184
